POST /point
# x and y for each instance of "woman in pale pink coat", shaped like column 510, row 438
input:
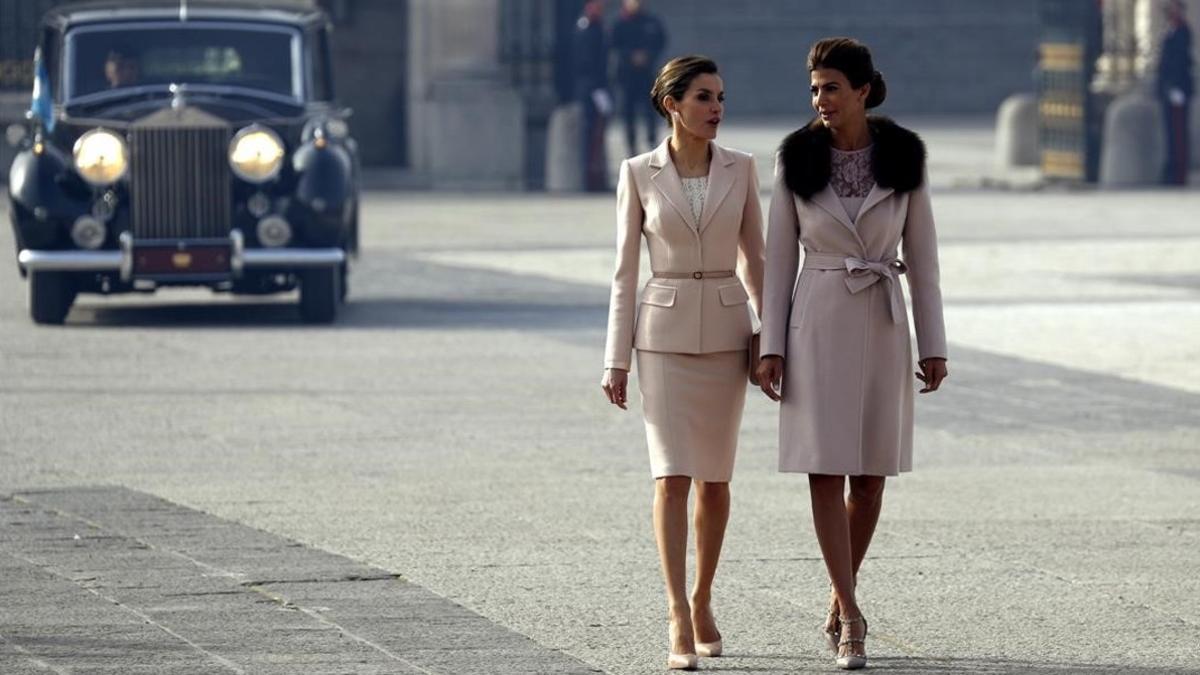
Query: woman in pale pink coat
column 850, row 190
column 696, row 205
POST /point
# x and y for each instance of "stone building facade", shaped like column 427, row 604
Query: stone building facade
column 457, row 94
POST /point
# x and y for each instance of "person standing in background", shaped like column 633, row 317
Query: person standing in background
column 638, row 39
column 591, row 92
column 1174, row 87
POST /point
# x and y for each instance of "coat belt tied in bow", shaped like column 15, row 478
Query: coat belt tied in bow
column 861, row 274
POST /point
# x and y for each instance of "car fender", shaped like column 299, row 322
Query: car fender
column 46, row 196
column 325, row 192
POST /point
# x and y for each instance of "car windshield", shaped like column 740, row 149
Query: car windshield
column 114, row 57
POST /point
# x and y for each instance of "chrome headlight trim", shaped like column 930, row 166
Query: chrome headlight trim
column 88, row 233
column 101, row 157
column 256, row 154
column 274, row 232
column 333, row 128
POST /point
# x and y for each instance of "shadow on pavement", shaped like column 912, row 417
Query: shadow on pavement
column 926, row 666
column 399, row 313
column 998, row 666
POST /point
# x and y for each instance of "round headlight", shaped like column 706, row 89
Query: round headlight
column 329, row 127
column 89, row 233
column 101, row 157
column 274, row 231
column 337, row 128
column 258, row 204
column 256, row 154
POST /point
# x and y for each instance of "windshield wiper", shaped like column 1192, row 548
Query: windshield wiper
column 118, row 94
column 245, row 92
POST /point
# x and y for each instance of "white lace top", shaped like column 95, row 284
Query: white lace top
column 851, row 178
column 695, row 189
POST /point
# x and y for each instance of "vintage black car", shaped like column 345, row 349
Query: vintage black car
column 177, row 143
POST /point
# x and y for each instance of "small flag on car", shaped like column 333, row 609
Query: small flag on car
column 42, row 105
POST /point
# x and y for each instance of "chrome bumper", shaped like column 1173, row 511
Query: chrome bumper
column 122, row 261
column 70, row 261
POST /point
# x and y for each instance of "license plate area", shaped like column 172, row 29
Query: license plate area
column 208, row 259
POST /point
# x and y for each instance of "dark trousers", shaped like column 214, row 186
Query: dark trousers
column 595, row 160
column 1176, row 119
column 635, row 103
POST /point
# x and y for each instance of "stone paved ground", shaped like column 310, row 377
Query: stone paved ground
column 439, row 473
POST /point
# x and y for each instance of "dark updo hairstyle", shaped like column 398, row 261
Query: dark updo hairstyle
column 852, row 59
column 675, row 78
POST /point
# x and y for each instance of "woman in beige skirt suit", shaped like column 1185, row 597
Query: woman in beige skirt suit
column 696, row 205
column 850, row 190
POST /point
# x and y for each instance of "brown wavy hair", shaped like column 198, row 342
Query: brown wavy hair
column 675, row 78
column 853, row 59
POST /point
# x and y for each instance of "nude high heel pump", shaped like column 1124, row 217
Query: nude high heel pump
column 707, row 649
column 682, row 661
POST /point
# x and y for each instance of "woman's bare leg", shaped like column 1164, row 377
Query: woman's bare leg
column 832, row 525
column 671, row 532
column 863, row 508
column 712, row 515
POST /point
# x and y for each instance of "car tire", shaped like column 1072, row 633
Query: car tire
column 343, row 281
column 352, row 245
column 50, row 296
column 320, row 294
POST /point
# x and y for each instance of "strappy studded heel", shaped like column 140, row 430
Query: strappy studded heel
column 831, row 636
column 831, row 631
column 852, row 661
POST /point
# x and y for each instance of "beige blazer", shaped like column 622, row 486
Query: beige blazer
column 685, row 315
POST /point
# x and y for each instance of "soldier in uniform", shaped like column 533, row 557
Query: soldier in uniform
column 591, row 92
column 638, row 40
column 1174, row 87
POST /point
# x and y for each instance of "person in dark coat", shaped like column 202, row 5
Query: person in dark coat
column 638, row 39
column 591, row 92
column 1174, row 87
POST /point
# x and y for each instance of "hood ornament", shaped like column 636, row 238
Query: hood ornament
column 178, row 96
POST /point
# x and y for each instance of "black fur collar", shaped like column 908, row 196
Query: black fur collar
column 898, row 160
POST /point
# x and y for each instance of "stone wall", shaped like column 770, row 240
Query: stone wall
column 370, row 61
column 953, row 56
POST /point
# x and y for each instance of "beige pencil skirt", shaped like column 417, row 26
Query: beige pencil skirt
column 692, row 404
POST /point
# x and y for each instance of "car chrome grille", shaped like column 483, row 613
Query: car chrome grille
column 180, row 181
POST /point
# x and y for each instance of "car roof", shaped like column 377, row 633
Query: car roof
column 298, row 12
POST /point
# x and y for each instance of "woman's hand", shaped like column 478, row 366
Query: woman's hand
column 933, row 371
column 770, row 376
column 616, row 386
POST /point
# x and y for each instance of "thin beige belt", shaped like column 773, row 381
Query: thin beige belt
column 862, row 274
column 722, row 274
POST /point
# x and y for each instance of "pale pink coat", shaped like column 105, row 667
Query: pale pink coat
column 848, row 384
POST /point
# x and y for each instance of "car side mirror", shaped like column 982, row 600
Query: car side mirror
column 16, row 134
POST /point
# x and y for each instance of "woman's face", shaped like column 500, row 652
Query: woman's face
column 701, row 108
column 835, row 100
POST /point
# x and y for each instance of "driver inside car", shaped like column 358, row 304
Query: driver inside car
column 122, row 68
